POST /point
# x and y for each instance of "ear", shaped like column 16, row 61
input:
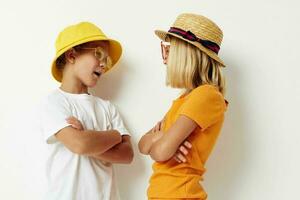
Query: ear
column 70, row 56
column 165, row 48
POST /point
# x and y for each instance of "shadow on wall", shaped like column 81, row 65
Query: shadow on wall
column 226, row 165
column 109, row 87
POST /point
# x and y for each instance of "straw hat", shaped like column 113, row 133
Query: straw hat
column 197, row 30
column 78, row 34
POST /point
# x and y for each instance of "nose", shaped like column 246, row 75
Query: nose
column 102, row 67
column 102, row 64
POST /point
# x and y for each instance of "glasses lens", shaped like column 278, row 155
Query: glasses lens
column 108, row 63
column 103, row 57
column 165, row 47
column 100, row 54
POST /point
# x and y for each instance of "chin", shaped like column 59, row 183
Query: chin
column 91, row 83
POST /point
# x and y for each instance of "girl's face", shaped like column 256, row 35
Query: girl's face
column 165, row 48
column 91, row 62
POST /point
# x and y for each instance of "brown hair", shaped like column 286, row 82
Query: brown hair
column 61, row 60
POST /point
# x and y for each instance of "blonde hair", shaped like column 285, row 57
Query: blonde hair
column 188, row 67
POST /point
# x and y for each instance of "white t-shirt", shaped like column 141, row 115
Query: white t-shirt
column 71, row 176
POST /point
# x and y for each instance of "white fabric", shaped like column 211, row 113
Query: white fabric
column 71, row 176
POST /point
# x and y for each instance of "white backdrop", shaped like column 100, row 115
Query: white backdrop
column 257, row 154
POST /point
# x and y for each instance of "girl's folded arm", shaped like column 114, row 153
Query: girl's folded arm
column 165, row 148
column 146, row 142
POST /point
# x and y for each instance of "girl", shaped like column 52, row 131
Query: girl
column 181, row 143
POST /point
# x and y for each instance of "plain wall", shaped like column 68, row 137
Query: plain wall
column 257, row 154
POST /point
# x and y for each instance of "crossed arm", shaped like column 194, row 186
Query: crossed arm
column 172, row 144
column 109, row 146
column 120, row 153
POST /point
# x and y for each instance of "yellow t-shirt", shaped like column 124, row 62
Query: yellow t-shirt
column 206, row 106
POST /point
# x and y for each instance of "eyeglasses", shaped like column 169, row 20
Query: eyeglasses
column 165, row 48
column 102, row 56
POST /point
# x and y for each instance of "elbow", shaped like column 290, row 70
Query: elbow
column 126, row 157
column 159, row 153
column 140, row 147
column 143, row 149
column 129, row 157
column 145, row 144
column 158, row 157
column 127, row 150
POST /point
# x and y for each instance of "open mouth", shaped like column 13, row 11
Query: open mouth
column 97, row 74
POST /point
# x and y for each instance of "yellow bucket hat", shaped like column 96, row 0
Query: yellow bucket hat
column 78, row 34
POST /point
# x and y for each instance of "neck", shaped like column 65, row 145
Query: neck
column 73, row 85
column 74, row 90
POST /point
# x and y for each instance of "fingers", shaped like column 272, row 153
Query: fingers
column 72, row 120
column 182, row 152
column 161, row 125
column 75, row 123
column 187, row 144
column 184, row 148
column 179, row 157
column 157, row 127
column 175, row 158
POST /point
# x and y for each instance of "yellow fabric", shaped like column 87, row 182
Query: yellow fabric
column 177, row 199
column 170, row 180
column 78, row 34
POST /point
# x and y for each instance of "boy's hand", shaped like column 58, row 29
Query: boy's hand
column 75, row 123
column 182, row 151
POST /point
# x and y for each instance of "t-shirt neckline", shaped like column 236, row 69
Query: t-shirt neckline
column 74, row 95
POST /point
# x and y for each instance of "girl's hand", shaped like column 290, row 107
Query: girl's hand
column 158, row 126
column 182, row 151
column 75, row 123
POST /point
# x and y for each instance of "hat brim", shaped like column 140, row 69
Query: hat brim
column 163, row 36
column 115, row 52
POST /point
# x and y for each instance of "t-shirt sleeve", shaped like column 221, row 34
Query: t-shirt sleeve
column 116, row 120
column 54, row 113
column 205, row 106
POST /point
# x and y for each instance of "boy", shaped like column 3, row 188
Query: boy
column 84, row 133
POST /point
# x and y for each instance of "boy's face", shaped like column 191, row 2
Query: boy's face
column 89, row 66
